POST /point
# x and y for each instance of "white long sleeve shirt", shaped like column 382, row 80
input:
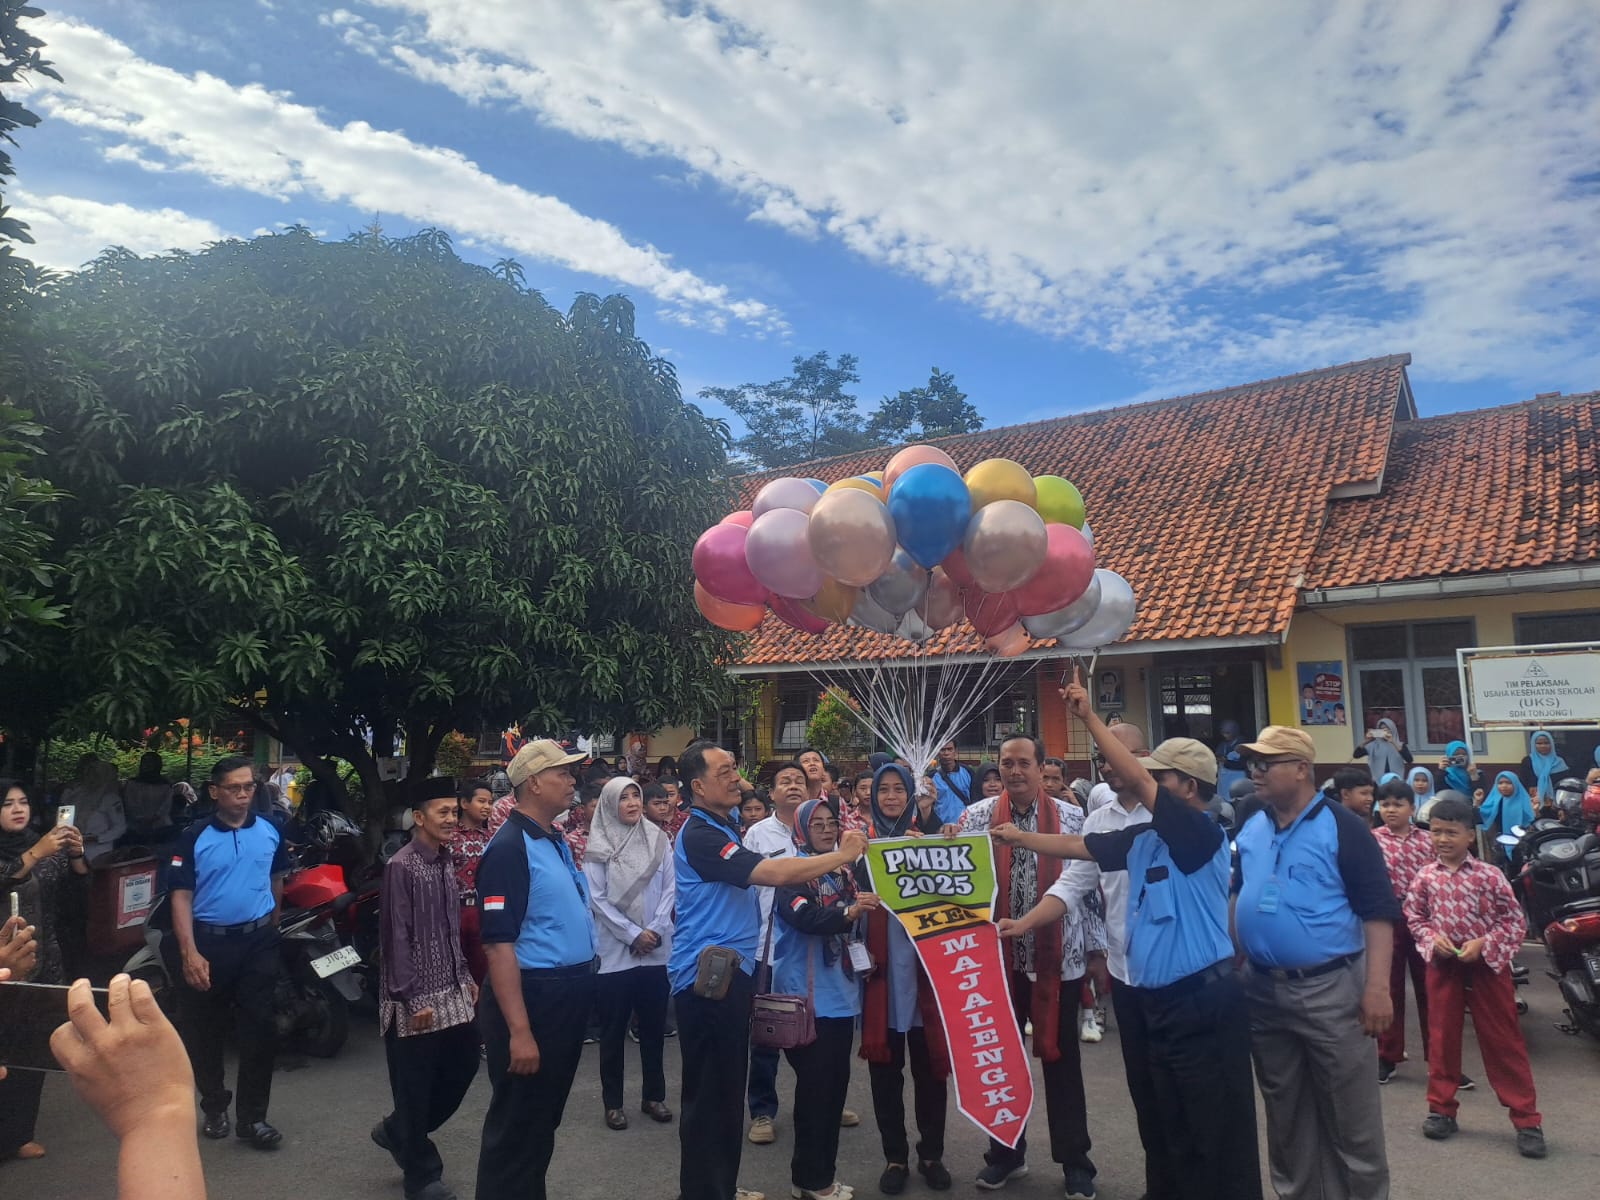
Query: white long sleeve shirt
column 770, row 838
column 615, row 931
column 1080, row 878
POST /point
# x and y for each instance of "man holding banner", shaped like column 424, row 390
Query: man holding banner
column 1179, row 956
column 1046, row 966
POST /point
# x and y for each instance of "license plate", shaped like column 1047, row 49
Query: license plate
column 332, row 964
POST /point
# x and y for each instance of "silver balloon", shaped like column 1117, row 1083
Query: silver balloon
column 902, row 585
column 1112, row 619
column 869, row 614
column 914, row 629
column 1088, row 534
column 1069, row 619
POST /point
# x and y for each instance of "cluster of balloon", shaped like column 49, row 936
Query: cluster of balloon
column 913, row 549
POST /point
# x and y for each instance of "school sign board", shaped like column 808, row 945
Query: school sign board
column 1531, row 687
column 942, row 891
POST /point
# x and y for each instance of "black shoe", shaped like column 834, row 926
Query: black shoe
column 893, row 1180
column 995, row 1176
column 432, row 1191
column 616, row 1119
column 1385, row 1070
column 217, row 1126
column 381, row 1139
column 1080, row 1184
column 934, row 1172
column 260, row 1135
column 1466, row 1084
column 1438, row 1127
column 1530, row 1143
column 657, row 1111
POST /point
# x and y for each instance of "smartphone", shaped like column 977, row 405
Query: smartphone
column 67, row 814
column 29, row 1014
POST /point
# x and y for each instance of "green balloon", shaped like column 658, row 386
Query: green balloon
column 1059, row 502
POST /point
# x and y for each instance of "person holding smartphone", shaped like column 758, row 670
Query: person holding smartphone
column 37, row 869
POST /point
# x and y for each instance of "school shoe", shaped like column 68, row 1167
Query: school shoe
column 1530, row 1143
column 1090, row 1032
column 849, row 1119
column 616, row 1119
column 260, row 1135
column 217, row 1126
column 1466, row 1084
column 1080, row 1184
column 893, row 1180
column 436, row 1190
column 657, row 1111
column 761, row 1132
column 934, row 1172
column 740, row 1193
column 1386, row 1070
column 995, row 1176
column 841, row 1191
column 1438, row 1127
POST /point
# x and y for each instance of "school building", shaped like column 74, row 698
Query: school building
column 1305, row 551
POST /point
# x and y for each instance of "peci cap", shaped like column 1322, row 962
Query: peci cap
column 1279, row 741
column 435, row 787
column 1194, row 759
column 535, row 757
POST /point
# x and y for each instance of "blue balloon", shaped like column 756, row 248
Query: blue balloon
column 818, row 484
column 930, row 505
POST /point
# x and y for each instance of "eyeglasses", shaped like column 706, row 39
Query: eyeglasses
column 823, row 826
column 1260, row 766
column 235, row 789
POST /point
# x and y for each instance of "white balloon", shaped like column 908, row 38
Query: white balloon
column 1088, row 534
column 1112, row 618
column 902, row 585
column 1066, row 620
column 869, row 614
column 914, row 629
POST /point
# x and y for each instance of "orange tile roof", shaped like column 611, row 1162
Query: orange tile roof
column 1210, row 505
column 1498, row 489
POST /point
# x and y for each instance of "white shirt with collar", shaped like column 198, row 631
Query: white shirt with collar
column 1080, row 878
column 770, row 838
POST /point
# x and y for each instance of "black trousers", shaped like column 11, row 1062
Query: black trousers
column 929, row 1096
column 519, row 1130
column 1064, row 1103
column 821, row 1079
column 244, row 977
column 1198, row 1040
column 641, row 990
column 714, row 1037
column 1159, row 1181
column 429, row 1074
column 20, row 1092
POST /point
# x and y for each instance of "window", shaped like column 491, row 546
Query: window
column 1407, row 673
column 1543, row 629
column 796, row 704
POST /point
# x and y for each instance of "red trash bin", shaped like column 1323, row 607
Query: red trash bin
column 121, row 896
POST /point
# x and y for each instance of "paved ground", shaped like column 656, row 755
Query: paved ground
column 326, row 1108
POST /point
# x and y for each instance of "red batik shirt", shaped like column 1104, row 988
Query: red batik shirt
column 1404, row 856
column 1473, row 901
column 466, row 848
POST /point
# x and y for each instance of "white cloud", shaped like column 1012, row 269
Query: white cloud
column 1268, row 184
column 258, row 140
column 68, row 231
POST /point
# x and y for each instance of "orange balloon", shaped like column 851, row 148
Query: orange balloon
column 835, row 602
column 915, row 456
column 1009, row 643
column 736, row 618
column 743, row 517
column 1001, row 479
column 859, row 484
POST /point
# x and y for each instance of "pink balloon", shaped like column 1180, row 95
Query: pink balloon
column 791, row 614
column 1009, row 643
column 942, row 607
column 720, row 566
column 1063, row 576
column 787, row 492
column 990, row 614
column 778, row 552
column 915, row 456
column 742, row 518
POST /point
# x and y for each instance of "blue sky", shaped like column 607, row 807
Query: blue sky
column 1068, row 206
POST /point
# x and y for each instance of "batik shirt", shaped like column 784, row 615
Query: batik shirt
column 466, row 848
column 1404, row 857
column 420, row 929
column 1473, row 901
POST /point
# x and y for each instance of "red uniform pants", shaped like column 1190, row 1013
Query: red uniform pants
column 1453, row 987
column 472, row 944
column 1392, row 1045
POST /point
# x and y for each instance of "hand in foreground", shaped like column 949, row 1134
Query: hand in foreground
column 950, row 830
column 1443, row 947
column 1472, row 951
column 524, row 1054
column 853, row 844
column 865, row 902
column 1007, row 927
column 132, row 1069
column 1377, row 1010
column 18, row 949
column 197, row 972
column 1006, row 832
column 1077, row 696
column 1100, row 972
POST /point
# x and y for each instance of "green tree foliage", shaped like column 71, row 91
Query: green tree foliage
column 808, row 414
column 938, row 410
column 834, row 728
column 349, row 491
column 19, row 58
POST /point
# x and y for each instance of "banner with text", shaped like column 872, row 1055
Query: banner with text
column 942, row 891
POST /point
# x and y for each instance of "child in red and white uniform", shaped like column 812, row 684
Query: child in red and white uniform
column 1466, row 919
column 1406, row 851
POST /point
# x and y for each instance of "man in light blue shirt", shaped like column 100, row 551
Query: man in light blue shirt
column 954, row 787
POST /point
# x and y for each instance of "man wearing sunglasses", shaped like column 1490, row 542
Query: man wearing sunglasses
column 1314, row 914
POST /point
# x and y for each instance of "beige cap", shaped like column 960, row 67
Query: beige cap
column 1279, row 741
column 1194, row 759
column 538, row 756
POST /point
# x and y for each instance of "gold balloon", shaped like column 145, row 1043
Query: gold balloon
column 1001, row 479
column 835, row 602
column 859, row 484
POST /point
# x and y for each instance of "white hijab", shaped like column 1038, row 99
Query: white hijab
column 632, row 853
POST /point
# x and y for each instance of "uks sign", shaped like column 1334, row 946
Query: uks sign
column 942, row 892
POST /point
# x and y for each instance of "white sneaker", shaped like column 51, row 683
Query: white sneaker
column 1090, row 1031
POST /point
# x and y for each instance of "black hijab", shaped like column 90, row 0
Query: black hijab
column 881, row 825
column 15, row 843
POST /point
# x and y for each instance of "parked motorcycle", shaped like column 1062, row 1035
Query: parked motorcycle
column 1556, row 864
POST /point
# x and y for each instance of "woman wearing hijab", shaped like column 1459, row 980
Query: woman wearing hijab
column 987, row 781
column 900, row 1022
column 1420, row 780
column 1506, row 806
column 815, row 924
column 1542, row 768
column 1457, row 771
column 95, row 796
column 1384, row 751
column 631, row 893
column 39, row 869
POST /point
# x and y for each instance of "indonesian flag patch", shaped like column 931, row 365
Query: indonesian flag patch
column 177, row 860
column 494, row 903
column 728, row 851
column 798, row 903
